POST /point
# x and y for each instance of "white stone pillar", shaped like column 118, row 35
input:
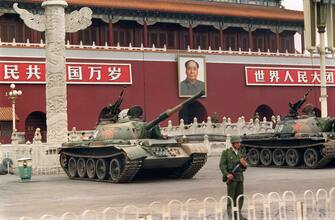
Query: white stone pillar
column 56, row 98
column 55, row 23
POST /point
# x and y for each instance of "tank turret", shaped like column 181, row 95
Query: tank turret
column 130, row 126
column 297, row 141
column 307, row 123
column 123, row 145
column 305, row 126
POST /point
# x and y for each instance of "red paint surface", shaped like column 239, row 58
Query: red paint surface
column 76, row 73
column 155, row 88
column 275, row 75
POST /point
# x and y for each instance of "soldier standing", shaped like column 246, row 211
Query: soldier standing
column 232, row 166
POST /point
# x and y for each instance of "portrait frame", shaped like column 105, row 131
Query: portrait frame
column 202, row 76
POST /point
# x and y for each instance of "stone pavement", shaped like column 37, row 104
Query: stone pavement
column 56, row 194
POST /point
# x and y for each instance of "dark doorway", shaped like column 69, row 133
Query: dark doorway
column 264, row 111
column 6, row 129
column 33, row 121
column 193, row 110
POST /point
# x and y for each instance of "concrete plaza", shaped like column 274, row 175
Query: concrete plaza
column 56, row 194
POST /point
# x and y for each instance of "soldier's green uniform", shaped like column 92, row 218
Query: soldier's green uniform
column 229, row 159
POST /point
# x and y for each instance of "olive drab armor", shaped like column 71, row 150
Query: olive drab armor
column 298, row 141
column 123, row 146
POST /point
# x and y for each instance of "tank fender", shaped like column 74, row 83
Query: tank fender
column 134, row 152
column 194, row 148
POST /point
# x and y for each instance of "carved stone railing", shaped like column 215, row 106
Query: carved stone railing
column 197, row 131
column 224, row 128
column 45, row 159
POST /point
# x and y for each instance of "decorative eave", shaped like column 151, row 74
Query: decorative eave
column 192, row 7
column 6, row 114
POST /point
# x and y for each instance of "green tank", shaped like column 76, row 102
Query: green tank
column 303, row 141
column 124, row 147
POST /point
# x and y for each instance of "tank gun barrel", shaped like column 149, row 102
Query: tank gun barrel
column 169, row 112
column 306, row 94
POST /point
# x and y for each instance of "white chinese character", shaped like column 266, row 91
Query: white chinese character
column 259, row 75
column 330, row 77
column 316, row 77
column 302, row 76
column 11, row 71
column 114, row 73
column 288, row 76
column 95, row 70
column 33, row 71
column 74, row 72
column 274, row 76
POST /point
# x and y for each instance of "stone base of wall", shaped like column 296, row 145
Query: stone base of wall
column 45, row 159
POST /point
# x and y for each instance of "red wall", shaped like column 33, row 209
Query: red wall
column 155, row 88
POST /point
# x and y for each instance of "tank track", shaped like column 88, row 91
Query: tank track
column 129, row 171
column 132, row 167
column 327, row 154
column 329, row 149
column 194, row 165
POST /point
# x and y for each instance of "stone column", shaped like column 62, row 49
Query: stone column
column 55, row 23
column 55, row 71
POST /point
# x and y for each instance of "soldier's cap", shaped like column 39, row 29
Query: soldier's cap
column 235, row 139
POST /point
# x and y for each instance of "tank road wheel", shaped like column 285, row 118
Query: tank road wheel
column 81, row 167
column 72, row 167
column 253, row 156
column 101, row 168
column 63, row 159
column 311, row 158
column 90, row 168
column 278, row 157
column 292, row 157
column 266, row 157
column 115, row 170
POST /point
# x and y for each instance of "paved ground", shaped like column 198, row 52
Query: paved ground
column 57, row 194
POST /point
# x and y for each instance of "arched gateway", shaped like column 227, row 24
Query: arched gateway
column 35, row 120
column 264, row 111
column 193, row 110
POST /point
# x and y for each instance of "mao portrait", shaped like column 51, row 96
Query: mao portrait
column 191, row 75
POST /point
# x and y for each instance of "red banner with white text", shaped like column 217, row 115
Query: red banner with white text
column 285, row 76
column 76, row 73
